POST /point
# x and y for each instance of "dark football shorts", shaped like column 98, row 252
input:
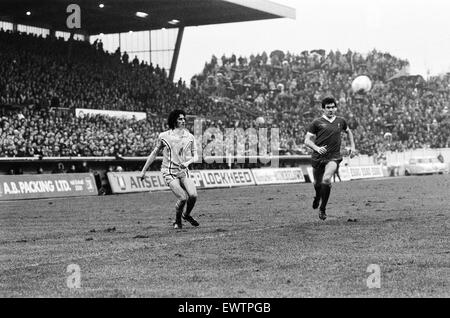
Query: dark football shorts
column 320, row 163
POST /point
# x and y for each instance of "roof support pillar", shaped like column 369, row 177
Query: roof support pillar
column 176, row 52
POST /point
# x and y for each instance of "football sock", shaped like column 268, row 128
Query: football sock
column 318, row 188
column 190, row 205
column 324, row 194
column 318, row 175
column 179, row 208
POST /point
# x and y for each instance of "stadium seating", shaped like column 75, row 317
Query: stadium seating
column 287, row 88
column 42, row 81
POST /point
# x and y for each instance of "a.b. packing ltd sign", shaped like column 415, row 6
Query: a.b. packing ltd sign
column 46, row 186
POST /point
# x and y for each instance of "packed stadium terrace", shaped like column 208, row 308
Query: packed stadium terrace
column 42, row 80
column 287, row 88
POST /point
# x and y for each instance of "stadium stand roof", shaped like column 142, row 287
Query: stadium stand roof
column 118, row 16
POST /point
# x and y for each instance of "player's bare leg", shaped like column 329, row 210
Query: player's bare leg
column 191, row 191
column 325, row 190
column 182, row 197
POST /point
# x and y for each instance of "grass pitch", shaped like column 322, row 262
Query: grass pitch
column 263, row 241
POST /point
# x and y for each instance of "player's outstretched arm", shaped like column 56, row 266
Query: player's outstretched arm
column 151, row 158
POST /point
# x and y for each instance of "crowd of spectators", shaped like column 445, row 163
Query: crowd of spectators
column 400, row 112
column 52, row 133
column 29, row 132
column 51, row 72
column 43, row 80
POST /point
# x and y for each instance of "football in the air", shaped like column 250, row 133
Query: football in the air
column 361, row 84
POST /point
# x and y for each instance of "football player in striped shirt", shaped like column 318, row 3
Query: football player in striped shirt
column 327, row 151
column 179, row 151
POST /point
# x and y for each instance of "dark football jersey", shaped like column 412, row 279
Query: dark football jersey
column 328, row 134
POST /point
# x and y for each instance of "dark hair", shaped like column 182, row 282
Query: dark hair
column 173, row 116
column 328, row 100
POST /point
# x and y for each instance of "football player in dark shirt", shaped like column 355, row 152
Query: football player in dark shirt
column 327, row 151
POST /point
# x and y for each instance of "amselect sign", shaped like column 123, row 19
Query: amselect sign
column 46, row 186
column 128, row 182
